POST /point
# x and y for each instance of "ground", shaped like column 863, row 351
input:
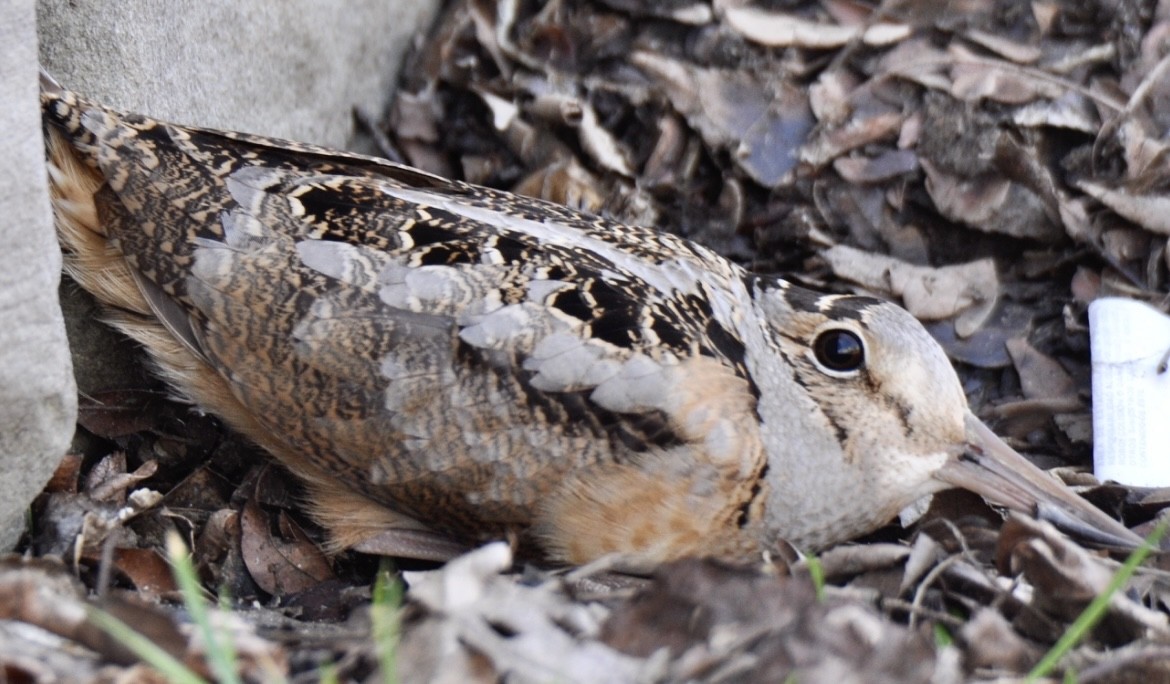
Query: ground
column 994, row 170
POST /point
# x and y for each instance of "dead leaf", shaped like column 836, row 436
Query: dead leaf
column 1066, row 577
column 764, row 126
column 524, row 632
column 713, row 617
column 1136, row 664
column 925, row 553
column 989, row 202
column 682, row 11
column 829, row 96
column 118, row 413
column 1072, row 111
column 42, row 593
column 776, row 29
column 1085, row 285
column 148, row 571
column 832, row 142
column 601, row 146
column 919, row 61
column 1005, row 47
column 1151, row 212
column 843, row 562
column 993, row 644
column 888, row 165
column 66, row 478
column 109, row 481
column 288, row 563
column 928, row 293
column 1041, row 377
column 975, row 77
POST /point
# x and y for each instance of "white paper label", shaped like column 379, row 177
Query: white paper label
column 1131, row 392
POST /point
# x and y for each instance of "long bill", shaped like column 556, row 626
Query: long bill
column 994, row 470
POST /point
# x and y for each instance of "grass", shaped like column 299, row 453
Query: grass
column 221, row 653
column 1097, row 608
column 327, row 673
column 145, row 649
column 222, row 658
column 942, row 636
column 384, row 622
column 816, row 572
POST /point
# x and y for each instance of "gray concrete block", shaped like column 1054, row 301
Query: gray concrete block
column 292, row 69
column 38, row 402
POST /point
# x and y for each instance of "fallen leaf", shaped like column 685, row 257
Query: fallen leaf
column 928, row 293
column 992, row 644
column 832, row 142
column 280, row 565
column 601, row 146
column 109, row 481
column 1071, row 111
column 682, row 11
column 1005, row 46
column 118, row 413
column 1151, row 212
column 764, row 127
column 776, row 29
column 67, row 476
column 146, row 569
column 884, row 167
column 1041, row 377
column 1066, row 578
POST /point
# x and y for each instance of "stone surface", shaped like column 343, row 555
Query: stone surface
column 38, row 402
column 292, row 69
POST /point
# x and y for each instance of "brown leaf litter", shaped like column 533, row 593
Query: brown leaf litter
column 994, row 168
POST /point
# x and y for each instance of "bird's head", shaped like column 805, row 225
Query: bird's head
column 889, row 424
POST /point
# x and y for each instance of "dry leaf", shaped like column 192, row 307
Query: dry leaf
column 119, row 413
column 1041, row 377
column 682, row 11
column 993, row 644
column 928, row 293
column 732, row 109
column 1151, row 212
column 288, row 563
column 989, row 202
column 776, row 29
column 525, row 633
column 1005, row 47
column 1066, row 577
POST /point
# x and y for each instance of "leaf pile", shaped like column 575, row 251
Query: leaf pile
column 994, row 166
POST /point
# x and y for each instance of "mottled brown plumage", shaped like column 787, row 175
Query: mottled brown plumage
column 444, row 364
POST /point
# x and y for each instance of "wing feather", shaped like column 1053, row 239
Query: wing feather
column 491, row 346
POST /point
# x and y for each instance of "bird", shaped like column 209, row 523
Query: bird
column 444, row 364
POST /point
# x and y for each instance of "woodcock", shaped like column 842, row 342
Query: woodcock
column 444, row 364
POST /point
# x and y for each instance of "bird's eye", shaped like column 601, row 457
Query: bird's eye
column 839, row 350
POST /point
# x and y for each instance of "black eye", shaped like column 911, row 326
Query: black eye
column 839, row 350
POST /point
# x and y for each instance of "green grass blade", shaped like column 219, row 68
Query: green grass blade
column 1096, row 609
column 816, row 573
column 221, row 653
column 942, row 636
column 327, row 673
column 148, row 651
column 384, row 623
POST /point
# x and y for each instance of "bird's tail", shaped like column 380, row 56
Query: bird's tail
column 64, row 111
column 71, row 151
